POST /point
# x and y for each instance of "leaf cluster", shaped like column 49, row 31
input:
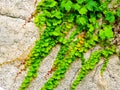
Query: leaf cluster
column 60, row 17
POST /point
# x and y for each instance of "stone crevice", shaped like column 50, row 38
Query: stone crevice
column 11, row 16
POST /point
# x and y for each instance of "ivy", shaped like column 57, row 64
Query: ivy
column 109, row 16
column 81, row 20
column 60, row 72
column 118, row 12
column 104, row 66
column 91, row 5
column 83, row 11
column 74, row 25
column 106, row 33
column 80, row 1
column 90, row 65
column 68, row 5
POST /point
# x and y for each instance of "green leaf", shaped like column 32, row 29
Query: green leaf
column 68, row 6
column 48, row 23
column 81, row 20
column 99, row 15
column 47, row 13
column 76, row 6
column 106, row 33
column 71, row 17
column 62, row 40
column 39, row 20
column 55, row 33
column 118, row 12
column 58, row 14
column 109, row 16
column 95, row 38
column 80, row 1
column 102, row 34
column 105, row 53
column 83, row 11
column 91, row 4
column 56, row 21
column 92, row 19
column 69, row 25
column 52, row 3
column 91, row 27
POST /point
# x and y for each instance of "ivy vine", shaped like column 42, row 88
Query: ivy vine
column 90, row 23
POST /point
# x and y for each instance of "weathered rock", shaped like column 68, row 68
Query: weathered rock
column 14, row 39
column 17, row 8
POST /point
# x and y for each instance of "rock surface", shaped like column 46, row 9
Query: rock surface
column 16, row 42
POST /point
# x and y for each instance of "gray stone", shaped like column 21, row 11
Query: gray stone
column 17, row 8
column 14, row 39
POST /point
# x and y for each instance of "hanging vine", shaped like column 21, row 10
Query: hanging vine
column 92, row 21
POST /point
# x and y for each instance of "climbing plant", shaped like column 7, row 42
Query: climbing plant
column 90, row 23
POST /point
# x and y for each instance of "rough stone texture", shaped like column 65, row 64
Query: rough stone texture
column 17, row 8
column 16, row 42
column 14, row 39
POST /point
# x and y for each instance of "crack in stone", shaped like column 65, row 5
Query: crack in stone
column 11, row 16
column 18, row 17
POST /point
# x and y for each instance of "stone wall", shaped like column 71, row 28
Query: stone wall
column 16, row 42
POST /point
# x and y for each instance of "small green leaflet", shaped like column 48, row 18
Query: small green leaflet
column 68, row 6
column 76, row 6
column 58, row 15
column 81, row 20
column 109, row 16
column 56, row 32
column 118, row 12
column 80, row 1
column 91, row 27
column 52, row 3
column 90, row 5
column 83, row 10
column 106, row 33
